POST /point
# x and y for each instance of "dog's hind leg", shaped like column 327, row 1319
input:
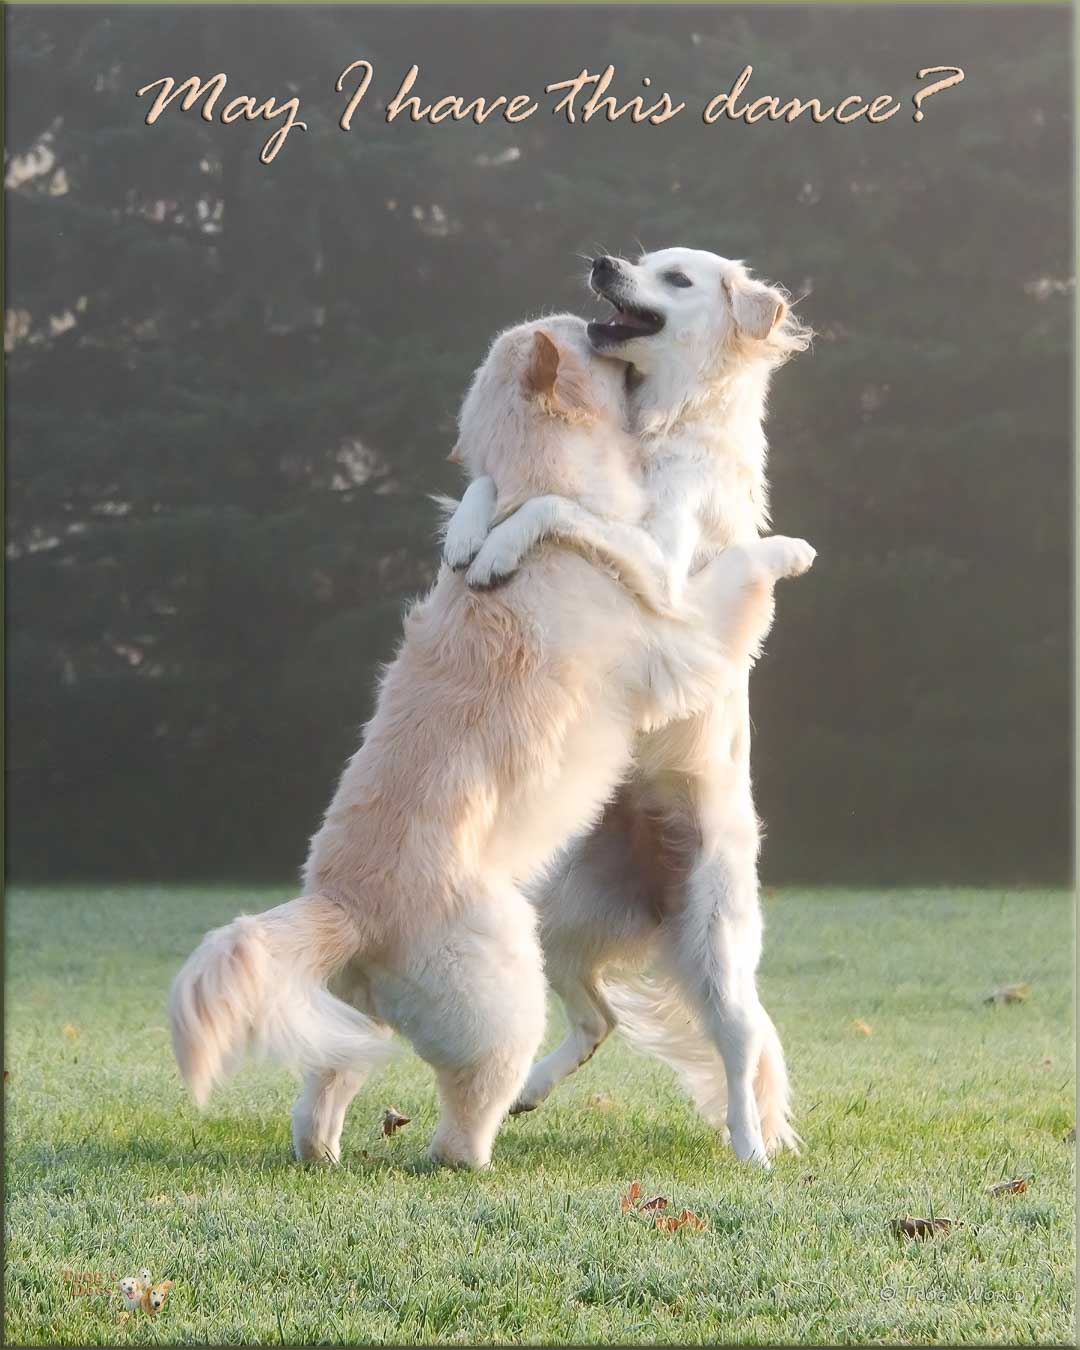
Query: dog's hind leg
column 318, row 1117
column 472, row 1001
column 715, row 949
column 501, row 981
column 591, row 1021
column 594, row 911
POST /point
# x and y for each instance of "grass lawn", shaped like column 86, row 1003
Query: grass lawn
column 917, row 1111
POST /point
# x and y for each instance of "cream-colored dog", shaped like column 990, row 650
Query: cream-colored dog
column 671, row 872
column 502, row 727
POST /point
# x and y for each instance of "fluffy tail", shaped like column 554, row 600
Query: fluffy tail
column 773, row 1094
column 655, row 1020
column 258, row 984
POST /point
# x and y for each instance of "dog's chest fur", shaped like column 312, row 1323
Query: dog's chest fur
column 720, row 478
column 715, row 465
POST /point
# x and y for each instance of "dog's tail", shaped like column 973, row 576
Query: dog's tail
column 772, row 1091
column 655, row 1020
column 259, row 984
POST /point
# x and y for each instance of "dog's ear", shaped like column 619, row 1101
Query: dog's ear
column 756, row 308
column 555, row 373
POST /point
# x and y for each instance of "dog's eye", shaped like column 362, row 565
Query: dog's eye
column 677, row 279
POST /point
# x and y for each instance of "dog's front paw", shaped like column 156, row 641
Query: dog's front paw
column 489, row 569
column 461, row 547
column 786, row 557
column 522, row 1108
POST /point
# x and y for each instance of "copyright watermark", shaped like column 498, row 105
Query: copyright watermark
column 939, row 1294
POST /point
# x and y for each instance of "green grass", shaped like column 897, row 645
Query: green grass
column 109, row 1168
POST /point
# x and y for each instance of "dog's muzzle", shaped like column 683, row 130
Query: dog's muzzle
column 630, row 320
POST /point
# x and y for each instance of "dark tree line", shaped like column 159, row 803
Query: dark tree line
column 231, row 387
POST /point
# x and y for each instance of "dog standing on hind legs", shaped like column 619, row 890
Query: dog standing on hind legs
column 701, row 338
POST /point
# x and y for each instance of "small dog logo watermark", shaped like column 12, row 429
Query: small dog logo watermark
column 138, row 1293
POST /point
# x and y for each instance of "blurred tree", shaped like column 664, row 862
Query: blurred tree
column 231, row 387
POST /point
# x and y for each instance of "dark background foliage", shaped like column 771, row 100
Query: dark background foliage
column 231, row 387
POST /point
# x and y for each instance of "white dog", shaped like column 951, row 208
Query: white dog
column 676, row 855
column 501, row 728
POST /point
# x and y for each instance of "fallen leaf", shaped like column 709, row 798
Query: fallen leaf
column 1016, row 1186
column 809, row 1179
column 923, row 1228
column 601, row 1101
column 393, row 1120
column 1008, row 993
column 630, row 1199
column 657, row 1202
column 125, row 1316
column 671, row 1223
column 863, row 1028
column 72, row 1033
column 7, row 1075
column 1069, row 1137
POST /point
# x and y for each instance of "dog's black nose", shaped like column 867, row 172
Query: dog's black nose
column 602, row 266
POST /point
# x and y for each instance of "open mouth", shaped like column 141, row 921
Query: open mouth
column 627, row 322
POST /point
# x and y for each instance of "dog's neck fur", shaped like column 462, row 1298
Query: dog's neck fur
column 721, row 418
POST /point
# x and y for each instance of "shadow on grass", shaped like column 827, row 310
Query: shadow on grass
column 170, row 1148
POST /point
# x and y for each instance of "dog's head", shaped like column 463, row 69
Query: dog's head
column 537, row 379
column 157, row 1295
column 684, row 309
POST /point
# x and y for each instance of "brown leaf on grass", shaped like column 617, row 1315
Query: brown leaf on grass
column 72, row 1033
column 393, row 1120
column 1015, row 1186
column 656, row 1203
column 1069, row 1137
column 630, row 1198
column 862, row 1028
column 671, row 1223
column 7, row 1075
column 1008, row 993
column 920, row 1229
column 809, row 1179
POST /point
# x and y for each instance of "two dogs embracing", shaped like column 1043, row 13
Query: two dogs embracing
column 556, row 779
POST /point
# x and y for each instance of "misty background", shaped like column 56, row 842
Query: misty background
column 231, row 387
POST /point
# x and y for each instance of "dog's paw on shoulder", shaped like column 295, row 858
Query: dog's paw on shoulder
column 485, row 580
column 459, row 562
